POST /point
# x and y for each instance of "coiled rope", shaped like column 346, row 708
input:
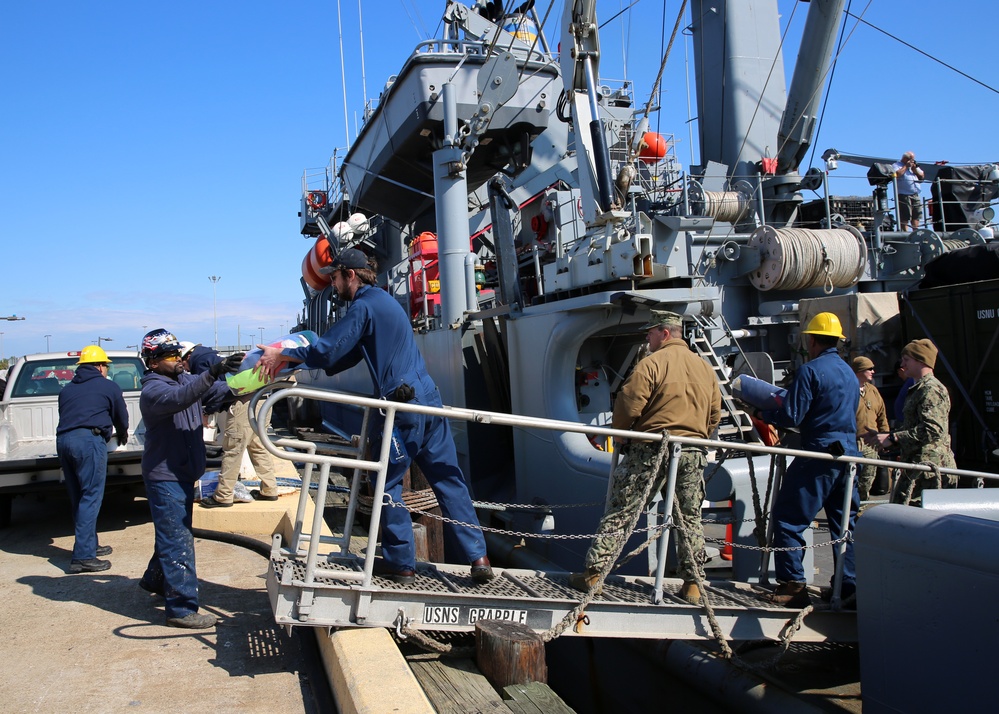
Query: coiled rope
column 955, row 244
column 800, row 258
column 727, row 206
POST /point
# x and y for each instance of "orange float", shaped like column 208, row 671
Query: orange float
column 317, row 257
column 653, row 147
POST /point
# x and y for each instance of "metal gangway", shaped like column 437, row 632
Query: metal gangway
column 315, row 580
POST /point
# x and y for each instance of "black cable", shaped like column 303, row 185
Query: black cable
column 925, row 54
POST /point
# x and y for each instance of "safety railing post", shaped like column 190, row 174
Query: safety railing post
column 355, row 483
column 663, row 544
column 837, row 585
column 379, row 493
column 303, row 497
column 765, row 555
column 317, row 525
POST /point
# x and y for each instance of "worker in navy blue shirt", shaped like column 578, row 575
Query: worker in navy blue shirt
column 197, row 358
column 822, row 401
column 172, row 460
column 377, row 330
column 89, row 408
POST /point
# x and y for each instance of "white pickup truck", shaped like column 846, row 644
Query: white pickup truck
column 29, row 414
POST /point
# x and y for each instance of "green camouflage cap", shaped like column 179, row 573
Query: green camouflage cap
column 662, row 317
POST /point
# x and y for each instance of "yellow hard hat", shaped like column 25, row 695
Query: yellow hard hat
column 92, row 354
column 825, row 323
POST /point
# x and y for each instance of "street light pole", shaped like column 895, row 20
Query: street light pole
column 215, row 315
column 47, row 343
column 261, row 335
column 103, row 339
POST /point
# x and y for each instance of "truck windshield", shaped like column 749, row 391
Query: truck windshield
column 48, row 377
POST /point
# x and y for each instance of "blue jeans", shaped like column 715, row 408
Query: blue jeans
column 84, row 460
column 809, row 486
column 172, row 566
column 427, row 441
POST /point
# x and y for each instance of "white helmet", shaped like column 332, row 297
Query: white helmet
column 342, row 230
column 186, row 348
column 358, row 223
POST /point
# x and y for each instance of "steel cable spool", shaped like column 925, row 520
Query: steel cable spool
column 801, row 258
column 727, row 206
column 952, row 244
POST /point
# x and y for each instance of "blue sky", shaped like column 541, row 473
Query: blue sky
column 148, row 146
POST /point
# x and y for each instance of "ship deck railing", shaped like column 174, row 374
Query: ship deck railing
column 317, row 580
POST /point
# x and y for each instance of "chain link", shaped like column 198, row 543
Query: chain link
column 655, row 530
column 534, row 506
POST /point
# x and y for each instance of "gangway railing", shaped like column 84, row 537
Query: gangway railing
column 351, row 458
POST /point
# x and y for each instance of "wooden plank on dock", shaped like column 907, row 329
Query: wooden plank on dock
column 534, row 698
column 455, row 686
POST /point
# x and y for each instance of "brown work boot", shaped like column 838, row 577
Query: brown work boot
column 690, row 592
column 482, row 571
column 793, row 595
column 586, row 580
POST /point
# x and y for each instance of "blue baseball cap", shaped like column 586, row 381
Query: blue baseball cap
column 352, row 259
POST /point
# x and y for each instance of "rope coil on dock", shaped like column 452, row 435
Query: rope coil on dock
column 801, row 258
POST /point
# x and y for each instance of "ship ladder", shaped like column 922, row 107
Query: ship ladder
column 735, row 424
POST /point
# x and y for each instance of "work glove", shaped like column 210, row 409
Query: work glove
column 229, row 365
column 122, row 437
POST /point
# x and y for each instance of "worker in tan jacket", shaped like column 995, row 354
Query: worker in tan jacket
column 672, row 389
column 871, row 416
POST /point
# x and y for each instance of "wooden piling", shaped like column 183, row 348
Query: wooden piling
column 509, row 653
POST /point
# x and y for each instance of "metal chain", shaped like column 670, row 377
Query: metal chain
column 534, row 506
column 656, row 529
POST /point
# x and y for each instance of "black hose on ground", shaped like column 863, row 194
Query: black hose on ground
column 242, row 541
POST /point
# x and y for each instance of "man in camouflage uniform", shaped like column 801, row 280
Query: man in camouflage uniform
column 871, row 416
column 674, row 390
column 923, row 437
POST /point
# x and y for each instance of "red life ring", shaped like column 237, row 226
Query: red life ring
column 316, row 200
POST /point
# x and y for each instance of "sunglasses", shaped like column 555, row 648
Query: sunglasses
column 169, row 358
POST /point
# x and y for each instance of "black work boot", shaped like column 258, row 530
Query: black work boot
column 91, row 565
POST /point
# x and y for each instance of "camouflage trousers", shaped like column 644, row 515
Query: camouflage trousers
column 909, row 488
column 865, row 472
column 631, row 478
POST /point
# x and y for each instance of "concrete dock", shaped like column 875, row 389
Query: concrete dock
column 99, row 643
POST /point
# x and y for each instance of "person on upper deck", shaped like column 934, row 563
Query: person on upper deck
column 871, row 416
column 907, row 178
column 923, row 436
column 376, row 329
column 89, row 408
column 675, row 390
column 822, row 401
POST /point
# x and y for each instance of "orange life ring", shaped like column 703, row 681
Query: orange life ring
column 316, row 200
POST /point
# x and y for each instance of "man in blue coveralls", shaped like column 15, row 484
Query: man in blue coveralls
column 376, row 329
column 822, row 400
column 173, row 459
column 89, row 407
